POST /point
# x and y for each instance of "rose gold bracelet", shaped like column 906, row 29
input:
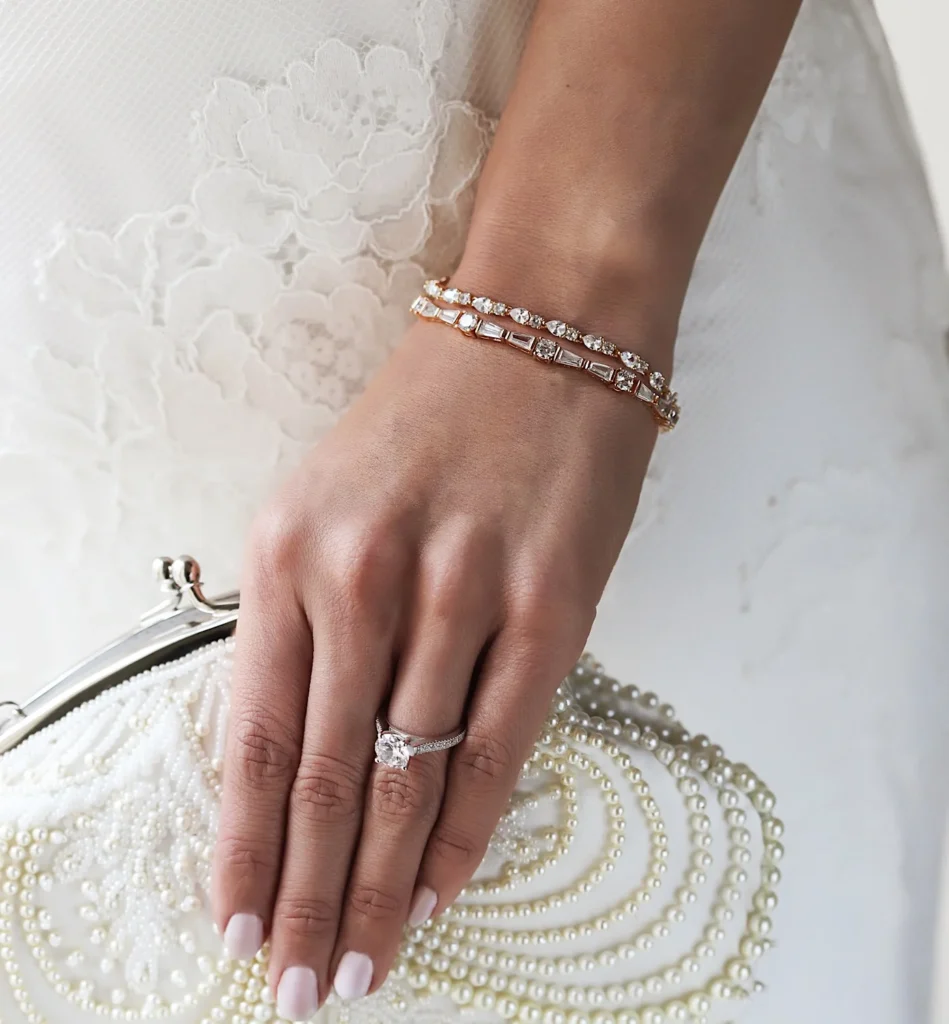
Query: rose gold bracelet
column 436, row 289
column 664, row 406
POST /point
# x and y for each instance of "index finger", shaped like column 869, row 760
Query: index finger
column 264, row 736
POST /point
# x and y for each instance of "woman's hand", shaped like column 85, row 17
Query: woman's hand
column 438, row 558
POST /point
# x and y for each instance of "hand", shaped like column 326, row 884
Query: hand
column 439, row 557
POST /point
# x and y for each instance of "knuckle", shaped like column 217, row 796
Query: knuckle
column 373, row 902
column 452, row 573
column 547, row 620
column 457, row 848
column 362, row 563
column 242, row 861
column 326, row 790
column 306, row 917
column 484, row 759
column 277, row 538
column 262, row 752
column 396, row 794
column 538, row 612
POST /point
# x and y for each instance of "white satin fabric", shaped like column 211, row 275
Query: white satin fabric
column 212, row 217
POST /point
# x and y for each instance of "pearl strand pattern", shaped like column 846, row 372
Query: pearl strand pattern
column 106, row 826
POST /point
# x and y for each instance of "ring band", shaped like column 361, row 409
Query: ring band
column 395, row 748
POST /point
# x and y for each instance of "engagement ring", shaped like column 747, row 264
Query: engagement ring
column 395, row 748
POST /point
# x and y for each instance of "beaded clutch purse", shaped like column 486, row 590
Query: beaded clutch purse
column 630, row 882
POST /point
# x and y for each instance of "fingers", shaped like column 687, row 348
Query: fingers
column 455, row 612
column 355, row 621
column 523, row 667
column 268, row 697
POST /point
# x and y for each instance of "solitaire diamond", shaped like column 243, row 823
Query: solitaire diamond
column 624, row 380
column 657, row 380
column 536, row 320
column 392, row 751
column 501, row 309
column 519, row 315
column 572, row 334
column 467, row 322
column 434, row 289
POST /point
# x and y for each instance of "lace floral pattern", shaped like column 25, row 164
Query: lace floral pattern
column 283, row 284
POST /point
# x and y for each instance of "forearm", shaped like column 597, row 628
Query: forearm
column 616, row 142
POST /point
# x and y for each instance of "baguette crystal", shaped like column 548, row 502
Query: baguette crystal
column 602, row 370
column 524, row 341
column 486, row 329
column 567, row 358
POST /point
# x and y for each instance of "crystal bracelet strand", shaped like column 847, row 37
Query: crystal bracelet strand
column 545, row 350
column 436, row 289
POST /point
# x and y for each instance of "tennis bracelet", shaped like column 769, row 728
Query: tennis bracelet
column 662, row 402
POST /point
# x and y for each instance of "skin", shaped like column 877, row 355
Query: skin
column 443, row 550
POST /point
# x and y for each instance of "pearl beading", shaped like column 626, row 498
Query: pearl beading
column 135, row 858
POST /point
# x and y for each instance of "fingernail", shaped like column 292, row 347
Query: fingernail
column 422, row 906
column 353, row 976
column 243, row 936
column 297, row 994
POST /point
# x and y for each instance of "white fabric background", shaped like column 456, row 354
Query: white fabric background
column 918, row 33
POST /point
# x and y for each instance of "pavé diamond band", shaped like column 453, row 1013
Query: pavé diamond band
column 395, row 748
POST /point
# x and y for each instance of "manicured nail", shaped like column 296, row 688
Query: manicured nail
column 353, row 976
column 297, row 994
column 422, row 906
column 243, row 936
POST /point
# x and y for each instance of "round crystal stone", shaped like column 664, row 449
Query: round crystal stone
column 392, row 751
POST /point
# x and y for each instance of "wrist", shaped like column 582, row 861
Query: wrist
column 580, row 266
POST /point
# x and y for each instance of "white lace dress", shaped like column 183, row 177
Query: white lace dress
column 212, row 219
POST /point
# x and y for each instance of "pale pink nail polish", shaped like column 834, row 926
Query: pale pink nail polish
column 422, row 906
column 243, row 936
column 297, row 994
column 353, row 976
